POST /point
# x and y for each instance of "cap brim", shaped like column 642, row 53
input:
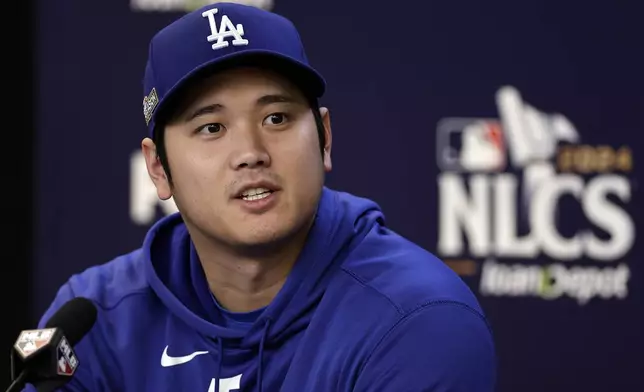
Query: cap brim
column 303, row 75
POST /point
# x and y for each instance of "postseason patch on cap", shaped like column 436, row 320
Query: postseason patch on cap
column 149, row 104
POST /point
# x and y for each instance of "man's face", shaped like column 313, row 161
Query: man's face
column 245, row 158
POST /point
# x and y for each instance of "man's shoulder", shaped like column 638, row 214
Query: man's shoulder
column 108, row 284
column 405, row 274
column 403, row 299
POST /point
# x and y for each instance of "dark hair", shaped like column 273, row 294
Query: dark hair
column 164, row 117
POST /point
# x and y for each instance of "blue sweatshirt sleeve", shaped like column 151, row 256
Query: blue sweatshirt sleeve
column 441, row 347
column 81, row 381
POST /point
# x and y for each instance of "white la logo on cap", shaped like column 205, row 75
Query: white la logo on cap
column 226, row 29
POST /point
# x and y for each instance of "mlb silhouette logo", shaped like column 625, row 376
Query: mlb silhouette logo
column 470, row 145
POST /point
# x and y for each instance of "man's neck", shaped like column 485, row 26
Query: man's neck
column 241, row 282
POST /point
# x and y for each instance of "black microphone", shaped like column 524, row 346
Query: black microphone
column 45, row 357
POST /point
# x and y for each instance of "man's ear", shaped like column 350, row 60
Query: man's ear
column 326, row 121
column 155, row 169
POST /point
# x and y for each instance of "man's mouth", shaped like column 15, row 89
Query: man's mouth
column 255, row 194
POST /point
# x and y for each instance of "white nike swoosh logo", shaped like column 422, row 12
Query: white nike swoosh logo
column 167, row 361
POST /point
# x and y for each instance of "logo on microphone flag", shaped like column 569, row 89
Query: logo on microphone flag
column 67, row 361
column 31, row 341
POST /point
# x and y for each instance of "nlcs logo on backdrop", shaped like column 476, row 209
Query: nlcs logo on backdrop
column 531, row 211
column 189, row 5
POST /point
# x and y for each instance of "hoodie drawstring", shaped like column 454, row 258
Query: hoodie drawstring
column 220, row 359
column 260, row 364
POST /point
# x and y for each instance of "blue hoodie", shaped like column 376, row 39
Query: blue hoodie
column 362, row 310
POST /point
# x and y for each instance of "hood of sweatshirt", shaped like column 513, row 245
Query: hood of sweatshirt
column 175, row 274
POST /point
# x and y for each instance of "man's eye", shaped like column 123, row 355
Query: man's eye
column 275, row 119
column 210, row 128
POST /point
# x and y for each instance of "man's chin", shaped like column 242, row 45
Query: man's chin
column 266, row 238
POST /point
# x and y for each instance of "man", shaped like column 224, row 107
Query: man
column 267, row 280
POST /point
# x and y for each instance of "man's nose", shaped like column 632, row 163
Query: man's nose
column 251, row 151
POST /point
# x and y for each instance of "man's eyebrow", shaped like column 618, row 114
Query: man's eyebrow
column 275, row 98
column 213, row 108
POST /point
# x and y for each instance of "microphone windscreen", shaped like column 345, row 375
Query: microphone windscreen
column 75, row 318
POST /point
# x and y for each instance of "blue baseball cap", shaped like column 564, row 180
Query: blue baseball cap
column 217, row 37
